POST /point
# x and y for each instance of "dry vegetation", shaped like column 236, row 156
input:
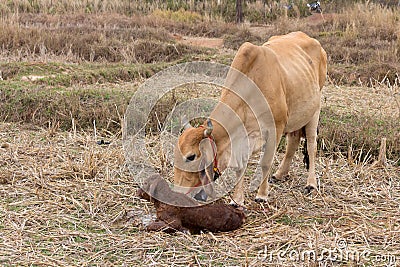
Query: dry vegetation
column 67, row 201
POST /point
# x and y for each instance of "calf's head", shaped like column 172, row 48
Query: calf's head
column 154, row 187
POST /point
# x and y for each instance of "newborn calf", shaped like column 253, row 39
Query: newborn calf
column 189, row 215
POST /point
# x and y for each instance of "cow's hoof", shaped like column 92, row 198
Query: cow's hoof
column 259, row 200
column 273, row 179
column 238, row 207
column 309, row 189
column 235, row 205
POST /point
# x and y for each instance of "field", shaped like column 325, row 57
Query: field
column 67, row 74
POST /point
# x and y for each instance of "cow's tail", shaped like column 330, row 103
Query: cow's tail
column 306, row 159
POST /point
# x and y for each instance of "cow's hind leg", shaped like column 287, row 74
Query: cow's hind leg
column 311, row 136
column 293, row 140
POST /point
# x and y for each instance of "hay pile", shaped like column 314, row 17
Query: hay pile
column 67, row 201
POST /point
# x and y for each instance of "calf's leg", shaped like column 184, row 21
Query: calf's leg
column 160, row 226
column 168, row 227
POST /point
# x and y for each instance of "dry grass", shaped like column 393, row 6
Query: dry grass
column 108, row 37
column 254, row 11
column 362, row 41
column 357, row 118
column 88, row 39
column 67, row 201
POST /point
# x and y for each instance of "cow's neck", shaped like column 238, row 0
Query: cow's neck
column 222, row 142
column 234, row 114
column 222, row 138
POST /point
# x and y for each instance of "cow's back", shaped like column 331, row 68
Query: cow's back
column 290, row 70
column 302, row 61
column 299, row 48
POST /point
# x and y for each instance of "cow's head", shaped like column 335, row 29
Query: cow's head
column 194, row 158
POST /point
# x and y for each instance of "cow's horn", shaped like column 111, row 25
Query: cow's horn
column 209, row 129
column 185, row 122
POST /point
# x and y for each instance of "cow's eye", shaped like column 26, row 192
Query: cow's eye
column 190, row 158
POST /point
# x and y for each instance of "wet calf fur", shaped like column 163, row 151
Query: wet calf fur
column 214, row 217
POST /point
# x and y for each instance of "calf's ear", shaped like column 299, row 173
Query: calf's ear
column 152, row 190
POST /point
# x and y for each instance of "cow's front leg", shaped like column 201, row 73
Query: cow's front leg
column 238, row 194
column 266, row 163
column 311, row 136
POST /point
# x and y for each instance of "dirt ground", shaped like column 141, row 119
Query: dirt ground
column 200, row 41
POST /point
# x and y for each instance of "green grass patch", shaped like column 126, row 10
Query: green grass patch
column 64, row 74
column 361, row 132
column 40, row 105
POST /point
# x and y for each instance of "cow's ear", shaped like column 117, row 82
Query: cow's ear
column 206, row 163
column 210, row 172
column 209, row 129
column 185, row 123
column 206, row 151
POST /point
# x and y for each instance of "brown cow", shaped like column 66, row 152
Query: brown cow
column 290, row 71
